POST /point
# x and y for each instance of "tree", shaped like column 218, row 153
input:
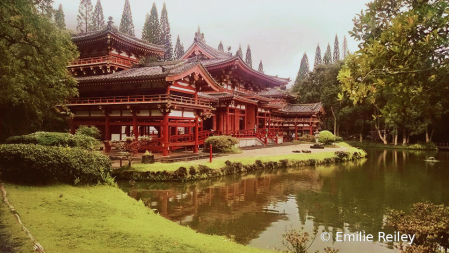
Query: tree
column 34, row 54
column 152, row 30
column 239, row 52
column 318, row 60
column 327, row 59
column 179, row 49
column 401, row 65
column 85, row 15
column 165, row 38
column 220, row 47
column 60, row 18
column 302, row 73
column 98, row 17
column 126, row 24
column 249, row 60
column 345, row 47
column 336, row 49
column 261, row 66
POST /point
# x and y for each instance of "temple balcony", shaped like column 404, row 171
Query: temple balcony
column 140, row 99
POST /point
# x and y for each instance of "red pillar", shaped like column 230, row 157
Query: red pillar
column 195, row 149
column 107, row 131
column 165, row 135
column 227, row 120
column 135, row 127
column 310, row 127
column 296, row 131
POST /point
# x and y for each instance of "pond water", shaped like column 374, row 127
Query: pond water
column 256, row 209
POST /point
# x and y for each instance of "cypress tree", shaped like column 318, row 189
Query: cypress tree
column 261, row 66
column 336, row 49
column 179, row 51
column 182, row 52
column 151, row 30
column 165, row 36
column 126, row 24
column 248, row 59
column 327, row 59
column 98, row 17
column 220, row 47
column 145, row 29
column 239, row 52
column 303, row 70
column 318, row 60
column 345, row 48
column 84, row 17
column 60, row 18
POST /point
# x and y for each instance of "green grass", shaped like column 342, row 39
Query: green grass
column 12, row 238
column 220, row 162
column 104, row 219
column 373, row 144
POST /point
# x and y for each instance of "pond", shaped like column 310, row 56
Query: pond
column 256, row 209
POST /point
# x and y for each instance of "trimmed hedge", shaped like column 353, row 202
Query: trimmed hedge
column 37, row 164
column 326, row 137
column 221, row 144
column 55, row 139
column 89, row 131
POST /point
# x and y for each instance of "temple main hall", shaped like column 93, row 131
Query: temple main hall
column 178, row 104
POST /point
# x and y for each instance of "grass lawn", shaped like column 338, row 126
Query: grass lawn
column 373, row 144
column 220, row 161
column 104, row 219
column 12, row 238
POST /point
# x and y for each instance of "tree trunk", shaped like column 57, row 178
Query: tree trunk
column 396, row 138
column 427, row 134
column 383, row 138
column 404, row 136
column 361, row 134
column 335, row 121
column 430, row 139
column 408, row 138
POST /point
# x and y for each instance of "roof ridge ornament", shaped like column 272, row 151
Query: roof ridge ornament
column 110, row 22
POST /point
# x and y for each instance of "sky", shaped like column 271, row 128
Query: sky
column 279, row 32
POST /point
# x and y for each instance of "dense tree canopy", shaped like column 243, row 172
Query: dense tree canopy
column 239, row 52
column 60, row 17
column 165, row 38
column 179, row 49
column 302, row 73
column 318, row 60
column 34, row 54
column 249, row 59
column 152, row 29
column 98, row 17
column 327, row 59
column 401, row 67
column 85, row 16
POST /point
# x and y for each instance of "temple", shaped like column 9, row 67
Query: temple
column 178, row 104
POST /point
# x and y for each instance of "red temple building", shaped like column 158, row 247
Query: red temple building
column 178, row 104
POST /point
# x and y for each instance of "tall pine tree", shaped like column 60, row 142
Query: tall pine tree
column 151, row 29
column 98, row 17
column 336, row 49
column 165, row 37
column 126, row 24
column 318, row 60
column 60, row 18
column 327, row 59
column 260, row 67
column 179, row 51
column 303, row 70
column 84, row 17
column 220, row 47
column 248, row 59
column 239, row 52
column 345, row 48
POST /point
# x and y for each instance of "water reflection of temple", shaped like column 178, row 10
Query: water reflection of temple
column 236, row 208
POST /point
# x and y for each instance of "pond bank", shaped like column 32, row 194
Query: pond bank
column 379, row 145
column 252, row 161
column 103, row 219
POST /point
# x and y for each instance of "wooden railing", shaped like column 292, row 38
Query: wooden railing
column 161, row 98
column 102, row 59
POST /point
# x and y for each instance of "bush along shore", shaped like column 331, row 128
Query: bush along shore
column 202, row 171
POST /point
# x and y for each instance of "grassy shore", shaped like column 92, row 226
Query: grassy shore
column 103, row 219
column 220, row 162
column 373, row 144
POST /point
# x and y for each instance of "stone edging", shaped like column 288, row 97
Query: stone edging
column 37, row 246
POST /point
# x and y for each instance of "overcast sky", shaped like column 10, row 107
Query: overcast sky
column 279, row 32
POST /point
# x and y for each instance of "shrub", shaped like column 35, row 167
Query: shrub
column 326, row 137
column 338, row 138
column 420, row 145
column 89, row 131
column 55, row 139
column 37, row 164
column 306, row 137
column 221, row 144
